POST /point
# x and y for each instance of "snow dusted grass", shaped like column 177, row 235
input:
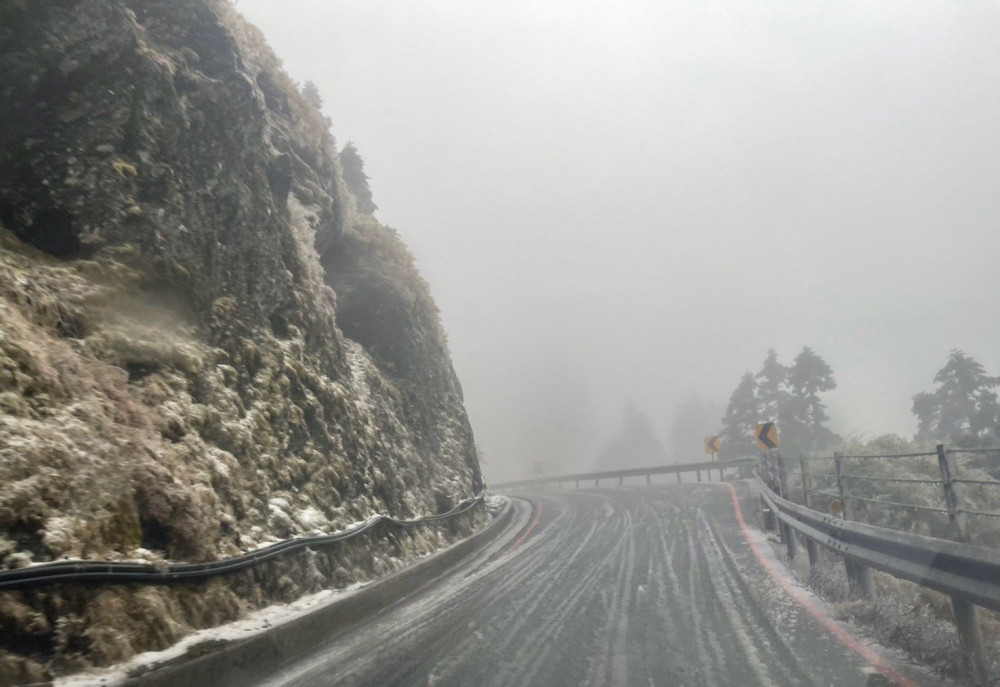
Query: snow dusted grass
column 902, row 615
column 253, row 623
column 868, row 477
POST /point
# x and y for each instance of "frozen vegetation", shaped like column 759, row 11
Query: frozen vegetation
column 204, row 345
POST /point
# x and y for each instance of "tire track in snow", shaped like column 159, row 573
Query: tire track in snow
column 649, row 586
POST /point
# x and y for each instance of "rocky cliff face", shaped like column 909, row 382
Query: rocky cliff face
column 203, row 345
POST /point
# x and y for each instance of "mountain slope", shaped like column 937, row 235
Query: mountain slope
column 203, row 345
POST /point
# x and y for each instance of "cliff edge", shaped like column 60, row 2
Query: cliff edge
column 204, row 345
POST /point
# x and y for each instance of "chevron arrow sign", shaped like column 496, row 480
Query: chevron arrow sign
column 767, row 436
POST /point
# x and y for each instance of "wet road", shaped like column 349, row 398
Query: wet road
column 644, row 586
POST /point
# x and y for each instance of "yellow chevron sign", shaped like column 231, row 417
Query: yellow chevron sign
column 713, row 445
column 767, row 436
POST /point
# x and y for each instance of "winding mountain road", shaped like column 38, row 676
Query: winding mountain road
column 629, row 586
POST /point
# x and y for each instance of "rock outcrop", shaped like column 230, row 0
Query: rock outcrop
column 204, row 346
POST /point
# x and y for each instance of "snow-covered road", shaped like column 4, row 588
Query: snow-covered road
column 628, row 586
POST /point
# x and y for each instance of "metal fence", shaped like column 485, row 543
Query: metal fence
column 108, row 572
column 949, row 493
column 736, row 467
column 927, row 517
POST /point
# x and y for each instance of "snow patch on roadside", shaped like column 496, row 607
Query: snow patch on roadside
column 495, row 503
column 897, row 658
column 254, row 623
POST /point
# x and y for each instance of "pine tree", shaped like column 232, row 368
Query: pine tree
column 964, row 409
column 771, row 387
column 742, row 415
column 310, row 93
column 356, row 179
column 801, row 419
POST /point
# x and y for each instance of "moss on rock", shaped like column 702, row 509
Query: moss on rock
column 203, row 346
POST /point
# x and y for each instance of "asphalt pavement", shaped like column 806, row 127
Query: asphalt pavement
column 625, row 586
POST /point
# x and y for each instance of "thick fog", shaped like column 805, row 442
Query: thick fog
column 629, row 202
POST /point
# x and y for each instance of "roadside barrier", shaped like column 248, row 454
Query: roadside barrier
column 741, row 464
column 968, row 573
column 76, row 571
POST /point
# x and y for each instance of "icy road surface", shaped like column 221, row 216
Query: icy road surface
column 645, row 586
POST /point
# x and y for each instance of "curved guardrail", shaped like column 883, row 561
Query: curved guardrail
column 707, row 466
column 146, row 573
column 969, row 574
column 963, row 570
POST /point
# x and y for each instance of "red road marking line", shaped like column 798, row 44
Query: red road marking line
column 829, row 623
column 534, row 521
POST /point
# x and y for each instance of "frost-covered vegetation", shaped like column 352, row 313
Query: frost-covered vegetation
column 963, row 410
column 897, row 483
column 204, row 346
column 901, row 614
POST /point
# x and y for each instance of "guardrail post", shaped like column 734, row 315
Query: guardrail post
column 970, row 635
column 859, row 577
column 789, row 534
column 773, row 478
column 578, row 484
column 678, row 473
column 648, row 478
column 699, row 475
column 811, row 548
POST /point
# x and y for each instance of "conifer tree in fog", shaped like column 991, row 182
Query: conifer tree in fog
column 963, row 410
column 634, row 444
column 310, row 93
column 742, row 414
column 771, row 392
column 354, row 175
column 789, row 396
column 803, row 415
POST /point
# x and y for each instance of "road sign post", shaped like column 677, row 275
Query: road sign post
column 766, row 436
column 764, row 470
column 789, row 533
column 713, row 445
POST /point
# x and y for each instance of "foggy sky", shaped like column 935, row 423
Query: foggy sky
column 632, row 201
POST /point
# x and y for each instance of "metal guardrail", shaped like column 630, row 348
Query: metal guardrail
column 969, row 574
column 146, row 573
column 596, row 477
